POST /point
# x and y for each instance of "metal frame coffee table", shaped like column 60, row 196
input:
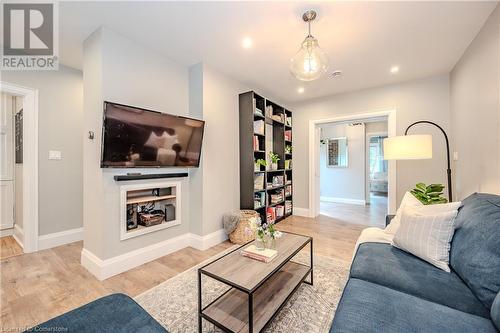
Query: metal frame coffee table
column 258, row 291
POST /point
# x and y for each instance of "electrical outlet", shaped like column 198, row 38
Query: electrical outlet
column 55, row 155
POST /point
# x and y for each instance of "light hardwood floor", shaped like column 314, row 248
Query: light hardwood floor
column 9, row 247
column 38, row 286
column 372, row 214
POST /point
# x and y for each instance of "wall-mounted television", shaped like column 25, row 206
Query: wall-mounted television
column 133, row 137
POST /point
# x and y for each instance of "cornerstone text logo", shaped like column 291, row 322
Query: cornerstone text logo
column 30, row 40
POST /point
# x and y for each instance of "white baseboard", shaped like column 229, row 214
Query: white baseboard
column 103, row 269
column 18, row 235
column 6, row 232
column 207, row 241
column 59, row 238
column 301, row 211
column 343, row 200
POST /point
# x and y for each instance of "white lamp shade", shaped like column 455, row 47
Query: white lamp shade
column 408, row 147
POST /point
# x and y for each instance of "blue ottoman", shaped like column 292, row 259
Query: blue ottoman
column 110, row 314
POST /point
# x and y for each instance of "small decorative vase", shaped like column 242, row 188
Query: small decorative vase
column 257, row 167
column 272, row 243
column 260, row 243
column 274, row 166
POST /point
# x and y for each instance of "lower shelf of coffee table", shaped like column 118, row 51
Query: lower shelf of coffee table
column 231, row 310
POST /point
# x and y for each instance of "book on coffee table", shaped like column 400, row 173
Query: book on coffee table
column 265, row 255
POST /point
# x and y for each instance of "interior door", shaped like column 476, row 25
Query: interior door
column 6, row 162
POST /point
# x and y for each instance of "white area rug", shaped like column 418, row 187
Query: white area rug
column 174, row 303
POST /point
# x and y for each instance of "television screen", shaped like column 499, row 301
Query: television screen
column 139, row 138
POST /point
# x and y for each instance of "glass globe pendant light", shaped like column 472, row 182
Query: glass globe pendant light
column 310, row 62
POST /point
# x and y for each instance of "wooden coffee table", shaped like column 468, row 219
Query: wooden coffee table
column 257, row 290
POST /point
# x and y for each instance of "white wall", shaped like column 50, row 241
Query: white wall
column 60, row 97
column 196, row 175
column 215, row 185
column 376, row 127
column 120, row 70
column 416, row 100
column 343, row 183
column 475, row 116
column 221, row 181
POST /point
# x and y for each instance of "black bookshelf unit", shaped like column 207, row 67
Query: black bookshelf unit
column 265, row 127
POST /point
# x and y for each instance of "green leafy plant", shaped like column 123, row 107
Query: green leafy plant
column 260, row 162
column 274, row 157
column 429, row 194
column 288, row 149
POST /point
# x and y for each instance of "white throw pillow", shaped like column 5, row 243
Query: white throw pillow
column 409, row 200
column 426, row 232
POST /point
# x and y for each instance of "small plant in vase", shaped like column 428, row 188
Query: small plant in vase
column 288, row 149
column 265, row 233
column 274, row 160
column 258, row 163
column 273, row 235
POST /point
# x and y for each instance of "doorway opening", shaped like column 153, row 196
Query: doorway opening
column 11, row 175
column 349, row 180
column 18, row 168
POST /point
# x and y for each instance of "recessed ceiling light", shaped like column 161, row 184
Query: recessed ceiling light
column 247, row 42
column 394, row 69
column 300, row 90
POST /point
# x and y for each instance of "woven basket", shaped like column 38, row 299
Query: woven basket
column 150, row 220
column 240, row 235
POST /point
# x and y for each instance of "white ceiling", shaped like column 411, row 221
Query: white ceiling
column 363, row 39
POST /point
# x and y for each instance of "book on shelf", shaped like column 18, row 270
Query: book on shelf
column 288, row 206
column 256, row 142
column 258, row 182
column 277, row 181
column 271, row 214
column 277, row 197
column 258, row 126
column 265, row 255
column 259, row 200
column 288, row 135
column 269, row 111
column 288, row 120
column 288, row 190
column 288, row 164
column 256, row 110
column 278, row 117
column 280, row 211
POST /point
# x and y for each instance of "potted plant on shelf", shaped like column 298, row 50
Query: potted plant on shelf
column 258, row 163
column 274, row 160
column 288, row 149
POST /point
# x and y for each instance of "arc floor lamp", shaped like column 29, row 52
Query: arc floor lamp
column 413, row 147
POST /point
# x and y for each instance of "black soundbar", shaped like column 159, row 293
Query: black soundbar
column 120, row 178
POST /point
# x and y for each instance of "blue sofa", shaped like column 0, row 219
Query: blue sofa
column 116, row 313
column 390, row 290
